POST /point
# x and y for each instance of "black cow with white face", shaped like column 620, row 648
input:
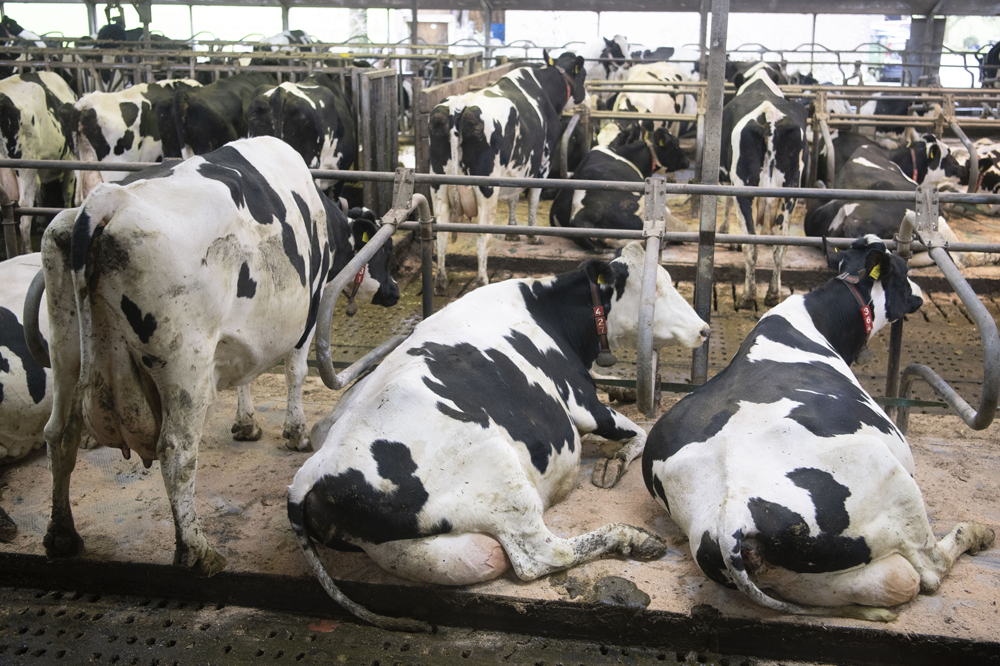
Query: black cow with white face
column 633, row 157
column 925, row 159
column 314, row 117
column 763, row 145
column 786, row 475
column 509, row 129
column 185, row 279
column 441, row 462
column 209, row 117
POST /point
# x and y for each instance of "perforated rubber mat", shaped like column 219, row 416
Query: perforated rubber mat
column 39, row 627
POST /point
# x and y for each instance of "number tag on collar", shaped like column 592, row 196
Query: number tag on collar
column 599, row 319
column 866, row 314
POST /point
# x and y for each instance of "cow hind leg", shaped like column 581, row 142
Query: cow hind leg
column 487, row 215
column 781, row 226
column 448, row 559
column 512, row 217
column 296, row 367
column 744, row 213
column 442, row 210
column 964, row 537
column 245, row 428
column 62, row 436
column 534, row 194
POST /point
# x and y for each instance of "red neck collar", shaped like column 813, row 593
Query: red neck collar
column 913, row 159
column 569, row 91
column 866, row 310
column 605, row 359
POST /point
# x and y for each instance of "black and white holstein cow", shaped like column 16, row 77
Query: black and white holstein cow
column 633, row 158
column 209, row 117
column 763, row 145
column 122, row 127
column 870, row 168
column 787, row 476
column 608, row 60
column 499, row 383
column 659, row 103
column 314, row 117
column 31, row 129
column 925, row 159
column 509, row 129
column 25, row 385
column 183, row 280
column 989, row 68
column 12, row 34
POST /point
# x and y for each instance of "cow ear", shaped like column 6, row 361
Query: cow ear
column 600, row 272
column 873, row 263
column 548, row 59
column 934, row 152
column 578, row 66
column 362, row 230
column 608, row 43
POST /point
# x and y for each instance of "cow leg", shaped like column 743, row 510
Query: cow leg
column 727, row 212
column 27, row 183
column 245, row 428
column 512, row 217
column 744, row 213
column 487, row 215
column 185, row 405
column 296, row 367
column 936, row 562
column 781, row 227
column 534, row 195
column 442, row 210
column 607, row 471
column 447, row 559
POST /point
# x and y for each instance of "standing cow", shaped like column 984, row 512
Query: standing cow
column 206, row 118
column 509, row 129
column 763, row 145
column 31, row 129
column 121, row 127
column 632, row 157
column 314, row 117
column 659, row 103
column 184, row 280
column 441, row 463
column 786, row 475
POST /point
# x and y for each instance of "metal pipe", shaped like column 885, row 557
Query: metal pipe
column 564, row 145
column 427, row 266
column 654, row 224
column 975, row 419
column 710, row 176
column 9, row 224
column 830, row 156
column 973, row 156
column 892, row 368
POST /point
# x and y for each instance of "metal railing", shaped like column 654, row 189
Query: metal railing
column 653, row 235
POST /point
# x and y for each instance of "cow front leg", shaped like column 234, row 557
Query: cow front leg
column 442, row 211
column 27, row 183
column 964, row 537
column 446, row 559
column 781, row 227
column 245, row 428
column 744, row 213
column 512, row 218
column 607, row 471
column 534, row 195
column 296, row 367
column 177, row 451
column 487, row 215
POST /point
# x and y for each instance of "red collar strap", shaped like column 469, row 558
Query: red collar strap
column 605, row 359
column 352, row 307
column 866, row 310
column 913, row 159
column 569, row 92
column 656, row 163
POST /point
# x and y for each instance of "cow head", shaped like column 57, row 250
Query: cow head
column 741, row 72
column 615, row 50
column 378, row 286
column 667, row 151
column 675, row 322
column 572, row 70
column 941, row 163
column 893, row 294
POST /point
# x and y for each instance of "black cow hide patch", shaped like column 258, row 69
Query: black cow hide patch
column 12, row 338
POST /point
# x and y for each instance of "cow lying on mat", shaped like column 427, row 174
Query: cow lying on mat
column 441, row 462
column 786, row 475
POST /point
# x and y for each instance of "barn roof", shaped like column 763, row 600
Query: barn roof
column 891, row 7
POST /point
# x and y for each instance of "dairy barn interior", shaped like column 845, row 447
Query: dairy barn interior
column 935, row 372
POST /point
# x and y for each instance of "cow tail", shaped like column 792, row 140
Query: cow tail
column 296, row 516
column 731, row 545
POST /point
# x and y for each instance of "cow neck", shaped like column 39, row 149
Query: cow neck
column 866, row 308
column 632, row 153
column 839, row 317
column 352, row 307
column 913, row 161
column 655, row 162
column 605, row 358
column 565, row 310
column 569, row 90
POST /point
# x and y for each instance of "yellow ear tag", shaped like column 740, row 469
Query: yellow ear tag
column 550, row 62
column 876, row 272
column 600, row 279
column 364, row 237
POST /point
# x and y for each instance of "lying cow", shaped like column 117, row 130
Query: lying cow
column 121, row 127
column 207, row 118
column 441, row 463
column 926, row 160
column 210, row 271
column 314, row 117
column 786, row 475
column 764, row 145
column 31, row 129
column 871, row 169
column 509, row 129
column 633, row 159
column 25, row 386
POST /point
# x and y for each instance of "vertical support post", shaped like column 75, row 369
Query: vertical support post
column 427, row 266
column 92, row 19
column 702, row 41
column 413, row 25
column 710, row 176
column 488, row 36
column 284, row 16
column 654, row 224
column 892, row 369
column 699, row 148
column 10, row 233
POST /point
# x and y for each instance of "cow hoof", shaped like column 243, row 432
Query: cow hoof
column 607, row 471
column 303, row 445
column 209, row 565
column 648, row 547
column 246, row 432
column 771, row 300
column 534, row 240
column 62, row 543
column 512, row 237
column 8, row 528
column 622, row 394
